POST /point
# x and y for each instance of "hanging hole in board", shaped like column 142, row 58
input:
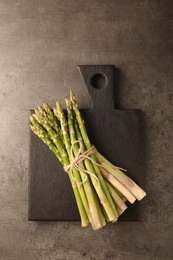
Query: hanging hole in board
column 98, row 80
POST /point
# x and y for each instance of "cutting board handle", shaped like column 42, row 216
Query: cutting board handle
column 99, row 81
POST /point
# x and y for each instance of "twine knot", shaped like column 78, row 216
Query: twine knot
column 80, row 157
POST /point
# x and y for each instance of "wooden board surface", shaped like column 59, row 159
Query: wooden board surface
column 115, row 133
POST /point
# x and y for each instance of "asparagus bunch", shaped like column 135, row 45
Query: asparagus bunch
column 100, row 188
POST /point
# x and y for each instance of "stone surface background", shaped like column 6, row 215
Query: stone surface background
column 41, row 42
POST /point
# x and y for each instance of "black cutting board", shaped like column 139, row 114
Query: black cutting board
column 115, row 133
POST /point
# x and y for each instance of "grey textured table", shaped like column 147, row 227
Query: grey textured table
column 41, row 42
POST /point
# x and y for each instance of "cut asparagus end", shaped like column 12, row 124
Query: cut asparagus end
column 118, row 185
column 137, row 192
column 116, row 198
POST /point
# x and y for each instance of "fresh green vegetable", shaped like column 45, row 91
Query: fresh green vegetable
column 100, row 188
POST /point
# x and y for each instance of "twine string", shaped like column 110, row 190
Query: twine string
column 80, row 157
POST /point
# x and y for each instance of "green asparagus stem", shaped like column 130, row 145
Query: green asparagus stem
column 66, row 138
column 100, row 209
column 102, row 191
column 97, row 217
column 104, row 194
column 118, row 185
column 119, row 211
column 90, row 168
column 122, row 177
column 65, row 161
column 120, row 194
column 116, row 198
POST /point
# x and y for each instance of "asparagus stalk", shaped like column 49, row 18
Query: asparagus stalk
column 120, row 194
column 100, row 209
column 119, row 211
column 101, row 194
column 61, row 116
column 84, row 134
column 98, row 219
column 65, row 161
column 137, row 192
column 90, row 168
column 102, row 191
column 116, row 198
column 118, row 185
